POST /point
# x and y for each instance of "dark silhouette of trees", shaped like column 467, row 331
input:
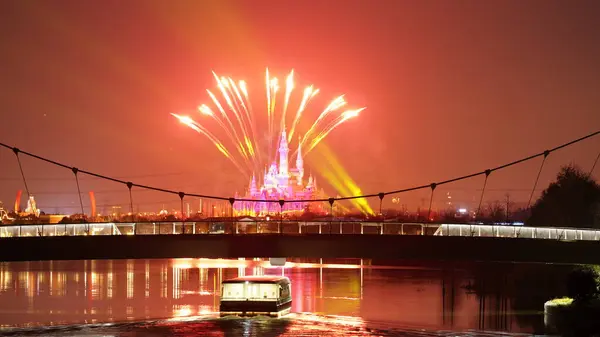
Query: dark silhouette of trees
column 573, row 200
column 496, row 212
column 74, row 219
column 582, row 283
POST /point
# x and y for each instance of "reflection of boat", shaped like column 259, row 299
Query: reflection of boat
column 256, row 295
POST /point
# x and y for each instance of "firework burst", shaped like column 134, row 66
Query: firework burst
column 250, row 150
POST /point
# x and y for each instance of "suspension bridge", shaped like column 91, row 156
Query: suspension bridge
column 231, row 238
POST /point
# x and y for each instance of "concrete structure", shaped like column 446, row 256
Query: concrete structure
column 385, row 247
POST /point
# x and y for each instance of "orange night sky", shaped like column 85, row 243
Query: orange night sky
column 450, row 88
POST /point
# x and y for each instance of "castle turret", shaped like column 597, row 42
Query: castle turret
column 309, row 186
column 265, row 176
column 299, row 163
column 271, row 177
column 253, row 185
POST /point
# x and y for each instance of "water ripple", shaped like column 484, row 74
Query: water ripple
column 297, row 324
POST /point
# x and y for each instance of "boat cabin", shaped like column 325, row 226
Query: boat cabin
column 256, row 295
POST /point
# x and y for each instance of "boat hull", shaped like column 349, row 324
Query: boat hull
column 255, row 308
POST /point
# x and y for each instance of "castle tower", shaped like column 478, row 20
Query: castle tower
column 299, row 163
column 271, row 177
column 264, row 181
column 309, row 186
column 253, row 185
column 283, row 155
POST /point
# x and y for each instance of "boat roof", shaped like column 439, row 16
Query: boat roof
column 259, row 279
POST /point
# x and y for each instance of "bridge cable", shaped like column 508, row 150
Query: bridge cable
column 545, row 154
column 331, row 201
column 537, row 178
column 75, row 171
column 129, row 185
column 17, row 151
column 433, row 185
column 181, row 196
column 381, row 196
column 594, row 165
column 279, row 226
column 487, row 174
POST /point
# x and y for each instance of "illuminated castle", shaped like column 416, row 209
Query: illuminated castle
column 279, row 183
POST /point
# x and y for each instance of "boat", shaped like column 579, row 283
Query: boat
column 256, row 295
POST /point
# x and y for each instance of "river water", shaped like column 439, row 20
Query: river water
column 330, row 297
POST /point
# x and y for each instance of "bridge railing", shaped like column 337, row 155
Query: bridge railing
column 298, row 227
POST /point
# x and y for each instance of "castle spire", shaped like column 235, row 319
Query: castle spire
column 299, row 163
column 283, row 154
column 299, row 160
column 253, row 184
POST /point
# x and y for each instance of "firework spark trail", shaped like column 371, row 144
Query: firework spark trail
column 309, row 93
column 225, row 117
column 337, row 103
column 238, row 99
column 268, row 84
column 289, row 87
column 206, row 110
column 244, row 90
column 200, row 129
column 234, row 105
column 274, row 88
column 346, row 115
column 248, row 122
column 243, row 133
column 218, row 144
column 224, row 88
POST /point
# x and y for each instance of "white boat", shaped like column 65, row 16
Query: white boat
column 256, row 295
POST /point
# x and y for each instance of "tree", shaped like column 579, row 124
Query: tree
column 571, row 201
column 496, row 211
column 582, row 283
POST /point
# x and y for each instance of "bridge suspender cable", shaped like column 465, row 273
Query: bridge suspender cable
column 75, row 171
column 594, row 165
column 330, row 200
column 16, row 151
column 546, row 153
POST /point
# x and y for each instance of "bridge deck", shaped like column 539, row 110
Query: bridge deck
column 307, row 227
column 386, row 247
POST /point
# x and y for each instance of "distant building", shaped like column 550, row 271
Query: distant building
column 32, row 207
column 4, row 213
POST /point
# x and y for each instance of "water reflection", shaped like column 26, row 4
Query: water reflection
column 449, row 297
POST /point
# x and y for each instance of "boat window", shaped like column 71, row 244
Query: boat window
column 253, row 291
column 284, row 291
column 233, row 290
column 268, row 291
